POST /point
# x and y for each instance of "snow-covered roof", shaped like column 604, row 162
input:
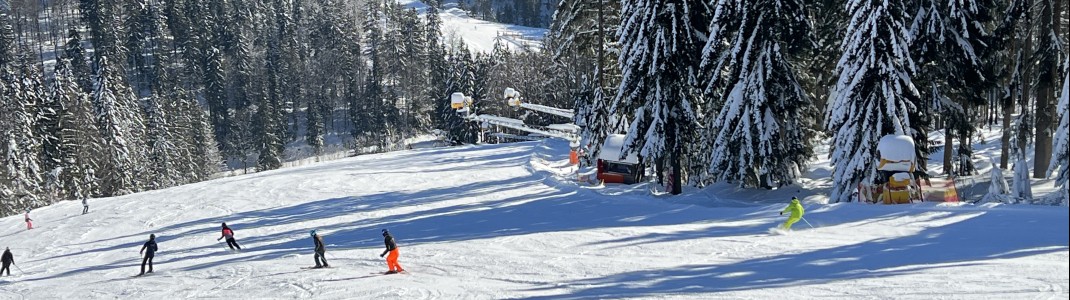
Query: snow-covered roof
column 612, row 148
column 564, row 127
column 503, row 120
column 896, row 148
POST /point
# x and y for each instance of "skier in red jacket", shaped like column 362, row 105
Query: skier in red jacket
column 229, row 234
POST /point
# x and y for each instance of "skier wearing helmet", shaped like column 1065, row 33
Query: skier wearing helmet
column 796, row 210
column 392, row 249
column 151, row 247
column 320, row 250
column 229, row 235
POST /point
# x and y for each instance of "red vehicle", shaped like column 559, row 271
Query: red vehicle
column 614, row 169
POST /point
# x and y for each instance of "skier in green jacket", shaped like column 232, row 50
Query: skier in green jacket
column 796, row 210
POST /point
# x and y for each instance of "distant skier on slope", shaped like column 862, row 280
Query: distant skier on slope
column 7, row 260
column 392, row 248
column 320, row 250
column 796, row 210
column 85, row 205
column 151, row 247
column 29, row 222
column 229, row 234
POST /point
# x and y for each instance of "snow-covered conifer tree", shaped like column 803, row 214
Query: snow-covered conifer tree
column 660, row 44
column 582, row 37
column 121, row 124
column 80, row 143
column 998, row 189
column 1021, row 186
column 763, row 129
column 19, row 169
column 162, row 150
column 1059, row 160
column 874, row 95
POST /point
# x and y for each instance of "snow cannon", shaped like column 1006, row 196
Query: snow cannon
column 895, row 182
column 613, row 167
column 896, row 154
column 512, row 97
column 460, row 102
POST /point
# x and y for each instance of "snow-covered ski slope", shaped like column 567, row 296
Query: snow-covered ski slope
column 496, row 222
column 480, row 35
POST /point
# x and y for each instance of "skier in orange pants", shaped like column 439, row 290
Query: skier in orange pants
column 392, row 249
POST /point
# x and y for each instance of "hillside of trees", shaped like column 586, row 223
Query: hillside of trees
column 110, row 97
column 105, row 98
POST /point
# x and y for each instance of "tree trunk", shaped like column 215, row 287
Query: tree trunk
column 1045, row 96
column 949, row 150
column 1026, row 80
column 1009, row 103
column 965, row 156
column 659, row 170
column 672, row 142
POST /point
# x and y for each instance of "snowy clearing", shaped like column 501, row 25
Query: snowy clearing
column 481, row 35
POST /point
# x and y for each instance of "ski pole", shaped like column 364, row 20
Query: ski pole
column 17, row 267
column 807, row 222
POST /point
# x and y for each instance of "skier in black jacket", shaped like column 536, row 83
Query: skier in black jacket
column 320, row 251
column 151, row 246
column 392, row 249
column 7, row 260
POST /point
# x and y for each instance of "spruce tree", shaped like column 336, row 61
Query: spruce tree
column 80, row 68
column 267, row 138
column 161, row 148
column 953, row 40
column 582, row 36
column 660, row 45
column 80, row 142
column 47, row 128
column 121, row 125
column 874, row 95
column 1059, row 160
column 460, row 78
column 437, row 66
column 20, row 173
column 762, row 133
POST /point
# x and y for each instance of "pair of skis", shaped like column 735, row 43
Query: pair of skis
column 373, row 273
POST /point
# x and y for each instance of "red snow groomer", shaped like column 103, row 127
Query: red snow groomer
column 614, row 169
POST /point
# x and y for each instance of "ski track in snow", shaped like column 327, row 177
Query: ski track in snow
column 504, row 221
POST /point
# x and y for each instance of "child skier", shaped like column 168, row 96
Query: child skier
column 392, row 248
column 29, row 222
column 229, row 234
column 320, row 251
column 7, row 260
column 796, row 210
column 151, row 246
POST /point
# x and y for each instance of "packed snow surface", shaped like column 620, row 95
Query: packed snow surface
column 494, row 222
